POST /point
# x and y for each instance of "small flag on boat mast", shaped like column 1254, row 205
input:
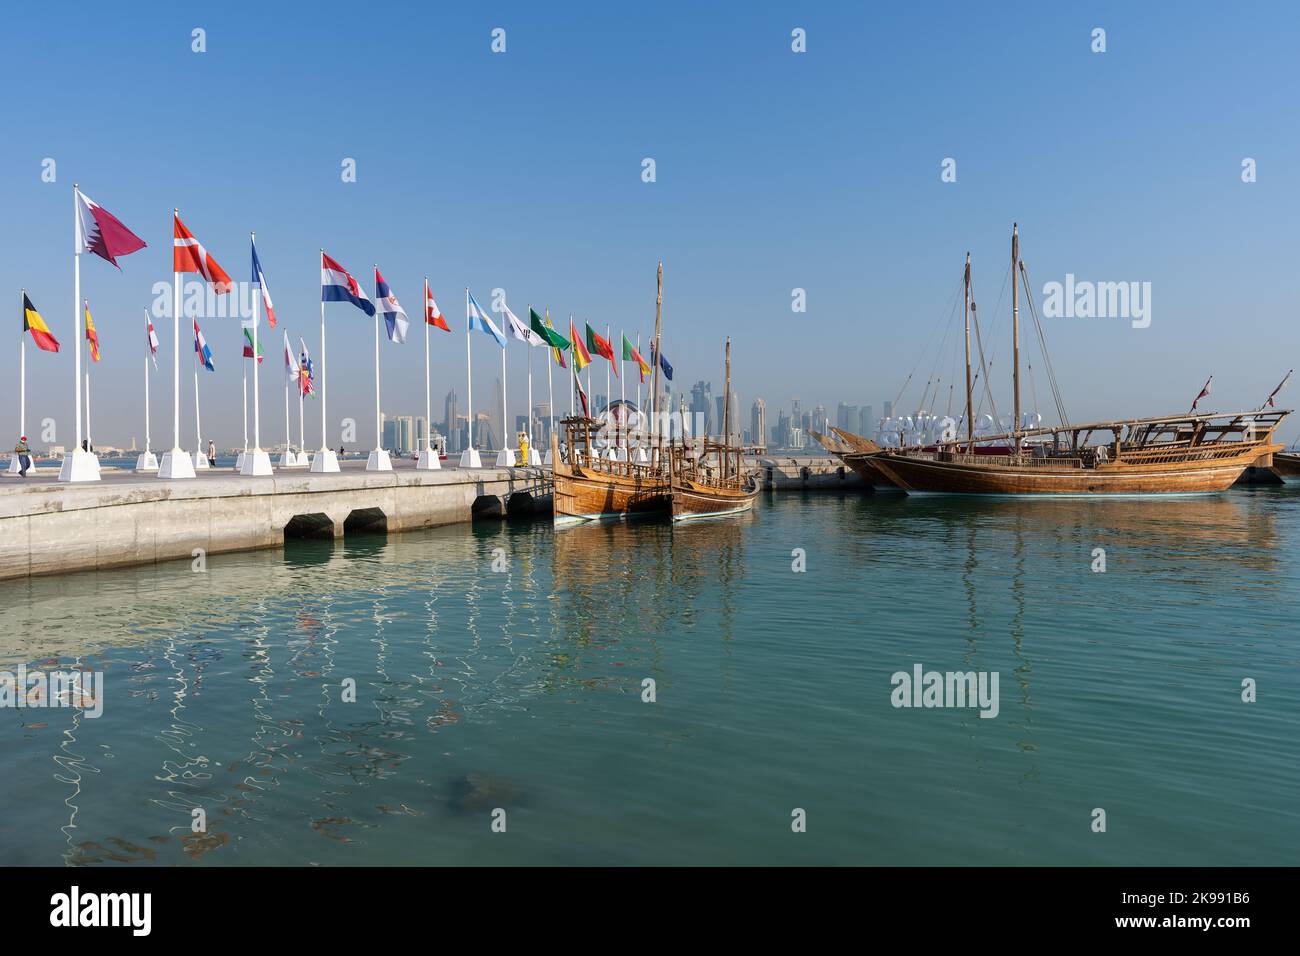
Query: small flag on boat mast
column 1204, row 391
column 1273, row 394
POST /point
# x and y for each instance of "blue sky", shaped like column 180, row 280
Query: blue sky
column 775, row 171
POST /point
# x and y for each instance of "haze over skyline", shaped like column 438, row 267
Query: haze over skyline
column 774, row 171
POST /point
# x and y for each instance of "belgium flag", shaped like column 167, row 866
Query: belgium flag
column 32, row 322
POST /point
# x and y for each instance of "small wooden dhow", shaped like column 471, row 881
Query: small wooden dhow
column 683, row 478
column 1182, row 454
column 1286, row 465
column 714, row 482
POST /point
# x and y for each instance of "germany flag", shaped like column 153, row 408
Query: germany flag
column 33, row 323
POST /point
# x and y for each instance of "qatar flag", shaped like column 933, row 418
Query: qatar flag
column 102, row 233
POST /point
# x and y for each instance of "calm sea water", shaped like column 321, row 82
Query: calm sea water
column 522, row 690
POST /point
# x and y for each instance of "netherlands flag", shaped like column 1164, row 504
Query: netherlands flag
column 259, row 280
column 201, row 346
column 337, row 285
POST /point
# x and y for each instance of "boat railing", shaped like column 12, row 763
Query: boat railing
column 1020, row 461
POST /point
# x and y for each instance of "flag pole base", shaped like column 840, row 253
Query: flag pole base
column 201, row 462
column 239, row 461
column 506, row 458
column 469, row 458
column 548, row 459
column 291, row 459
column 147, row 461
column 257, row 464
column 379, row 460
column 176, row 464
column 325, row 461
column 15, row 468
column 639, row 456
column 428, row 461
column 79, row 465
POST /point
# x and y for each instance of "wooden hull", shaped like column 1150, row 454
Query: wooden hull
column 591, row 495
column 869, row 473
column 921, row 474
column 1286, row 465
column 692, row 499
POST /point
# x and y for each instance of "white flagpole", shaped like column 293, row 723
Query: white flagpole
column 324, row 443
column 76, row 308
column 505, row 425
column 89, row 443
column 529, row 410
column 302, row 434
column 288, row 441
column 257, row 314
column 609, row 365
column 550, row 392
column 176, row 362
column 379, row 438
column 573, row 364
column 148, row 350
column 638, row 374
column 469, row 378
column 428, row 406
column 245, row 365
column 622, row 388
column 22, row 366
column 198, row 426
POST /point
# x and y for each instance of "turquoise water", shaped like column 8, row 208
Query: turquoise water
column 521, row 689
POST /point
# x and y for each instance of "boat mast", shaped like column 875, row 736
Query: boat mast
column 726, row 415
column 970, row 412
column 658, row 359
column 1015, row 334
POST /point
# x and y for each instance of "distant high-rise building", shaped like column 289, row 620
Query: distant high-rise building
column 449, row 420
column 889, row 409
column 701, row 408
column 867, row 421
column 758, row 423
column 846, row 416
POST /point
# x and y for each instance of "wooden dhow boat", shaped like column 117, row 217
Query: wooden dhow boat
column 711, row 481
column 1182, row 454
column 590, row 487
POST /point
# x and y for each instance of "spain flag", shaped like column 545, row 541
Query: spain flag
column 91, row 335
column 33, row 323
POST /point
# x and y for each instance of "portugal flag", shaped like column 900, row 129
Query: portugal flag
column 601, row 347
column 33, row 323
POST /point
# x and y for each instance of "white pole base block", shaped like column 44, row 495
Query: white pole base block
column 548, row 458
column 620, row 454
column 506, row 458
column 639, row 456
column 257, row 464
column 325, row 461
column 147, row 461
column 201, row 462
column 176, row 464
column 379, row 460
column 14, row 467
column 428, row 461
column 290, row 459
column 469, row 458
column 611, row 454
column 239, row 461
column 79, row 465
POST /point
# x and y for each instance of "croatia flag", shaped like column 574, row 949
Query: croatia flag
column 394, row 314
column 432, row 314
column 337, row 285
column 100, row 232
column 201, row 346
column 259, row 280
column 188, row 255
column 152, row 339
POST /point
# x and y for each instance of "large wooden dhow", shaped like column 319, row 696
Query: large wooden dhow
column 590, row 487
column 1182, row 454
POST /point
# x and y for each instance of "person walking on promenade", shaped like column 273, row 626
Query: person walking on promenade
column 212, row 453
column 24, row 453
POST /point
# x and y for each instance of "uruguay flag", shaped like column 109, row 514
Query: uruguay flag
column 478, row 319
column 201, row 346
column 337, row 285
column 394, row 314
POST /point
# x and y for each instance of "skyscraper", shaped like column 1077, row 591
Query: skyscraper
column 449, row 422
column 758, row 423
column 701, row 408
